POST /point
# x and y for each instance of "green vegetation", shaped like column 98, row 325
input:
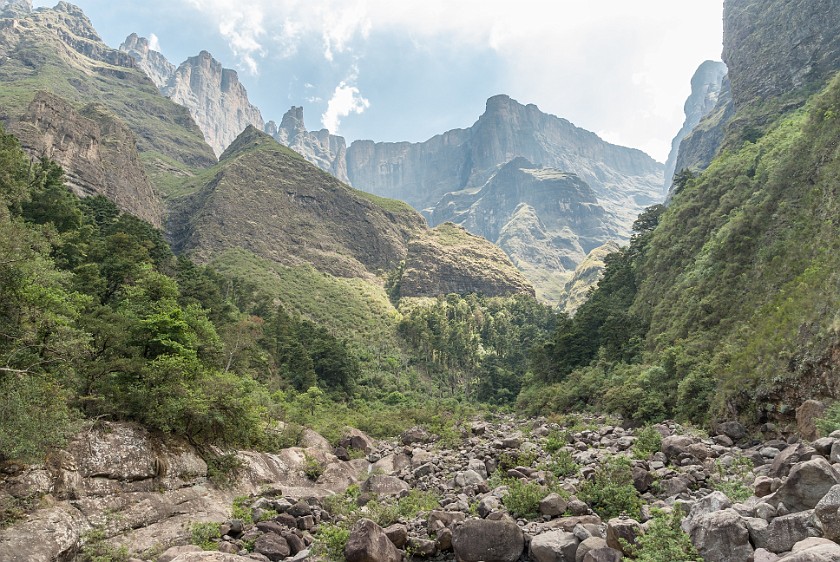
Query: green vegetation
column 95, row 549
column 734, row 478
column 610, row 492
column 523, row 498
column 312, row 468
column 664, row 540
column 648, row 442
column 330, row 541
column 241, row 509
column 223, row 469
column 206, row 535
column 562, row 464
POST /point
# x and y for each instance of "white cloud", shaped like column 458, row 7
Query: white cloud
column 346, row 99
column 241, row 24
column 154, row 42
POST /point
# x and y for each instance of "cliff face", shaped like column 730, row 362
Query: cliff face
column 97, row 151
column 545, row 220
column 213, row 95
column 321, row 148
column 586, row 277
column 624, row 180
column 705, row 90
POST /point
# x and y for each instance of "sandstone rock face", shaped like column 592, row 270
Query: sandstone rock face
column 214, row 96
column 325, row 150
column 586, row 276
column 544, row 219
column 706, row 87
column 97, row 151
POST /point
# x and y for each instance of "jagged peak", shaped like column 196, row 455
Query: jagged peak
column 293, row 119
column 12, row 8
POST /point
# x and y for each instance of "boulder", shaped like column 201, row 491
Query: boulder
column 553, row 505
column 806, row 419
column 272, row 546
column 172, row 553
column 359, row 440
column 397, row 534
column 787, row 530
column 554, row 546
column 621, row 530
column 813, row 550
column 414, row 435
column 385, row 485
column 605, row 554
column 827, row 514
column 791, row 455
column 208, row 557
column 721, row 536
column 675, row 445
column 369, row 543
column 806, row 485
column 438, row 520
column 732, row 429
column 592, row 543
column 491, row 541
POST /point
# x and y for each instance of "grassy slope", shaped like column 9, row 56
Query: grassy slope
column 743, row 269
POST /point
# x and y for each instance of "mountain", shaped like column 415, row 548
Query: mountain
column 706, row 87
column 545, row 219
column 325, row 150
column 216, row 99
column 267, row 199
column 586, row 277
column 725, row 304
column 55, row 67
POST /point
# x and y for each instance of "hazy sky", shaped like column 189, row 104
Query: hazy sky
column 409, row 69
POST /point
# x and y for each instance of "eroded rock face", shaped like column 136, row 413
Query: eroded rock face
column 325, row 150
column 153, row 63
column 96, row 150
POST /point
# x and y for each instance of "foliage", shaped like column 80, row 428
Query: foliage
column 95, row 549
column 330, row 541
column 664, row 540
column 733, row 476
column 223, row 470
column 241, row 509
column 562, row 464
column 610, row 492
column 648, row 442
column 312, row 467
column 523, row 498
column 415, row 502
column 206, row 535
column 512, row 459
column 830, row 421
column 555, row 441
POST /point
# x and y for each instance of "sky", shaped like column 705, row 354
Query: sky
column 393, row 70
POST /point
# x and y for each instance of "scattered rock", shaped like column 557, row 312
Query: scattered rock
column 369, row 543
column 489, row 541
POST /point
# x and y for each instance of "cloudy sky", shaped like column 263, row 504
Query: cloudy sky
column 393, row 70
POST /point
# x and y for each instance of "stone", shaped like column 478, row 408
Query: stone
column 762, row 486
column 208, row 557
column 721, row 536
column 834, row 454
column 359, row 440
column 385, row 485
column 273, row 546
column 553, row 505
column 489, row 541
column 763, row 555
column 173, row 552
column 227, row 548
column 592, row 543
column 813, row 550
column 300, row 509
column 787, row 530
column 296, row 543
column 606, row 554
column 438, row 520
column 642, row 479
column 444, row 540
column 423, row 548
column 369, row 543
column 554, row 546
column 397, row 534
column 823, row 445
column 806, row 419
column 732, row 429
column 414, row 435
column 488, row 505
column 424, row 470
column 806, row 485
column 827, row 514
column 622, row 530
column 788, row 457
column 468, row 478
column 675, row 445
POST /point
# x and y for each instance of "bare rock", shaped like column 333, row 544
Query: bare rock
column 721, row 536
column 554, row 546
column 621, row 531
column 170, row 554
column 806, row 419
column 369, row 543
column 827, row 514
column 272, row 546
column 491, row 541
column 806, row 485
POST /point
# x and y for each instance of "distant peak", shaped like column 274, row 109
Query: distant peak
column 15, row 7
column 293, row 119
column 135, row 43
column 500, row 101
column 521, row 163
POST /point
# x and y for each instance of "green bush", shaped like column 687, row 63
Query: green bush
column 330, row 541
column 831, row 420
column 610, row 492
column 206, row 535
column 312, row 467
column 555, row 440
column 562, row 464
column 648, row 442
column 665, row 541
column 735, row 479
column 523, row 498
column 224, row 469
column 415, row 502
column 95, row 549
column 241, row 509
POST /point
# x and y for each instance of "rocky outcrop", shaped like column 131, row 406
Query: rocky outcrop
column 15, row 8
column 586, row 276
column 325, row 150
column 705, row 90
column 214, row 96
column 153, row 63
column 448, row 259
column 97, row 151
column 779, row 47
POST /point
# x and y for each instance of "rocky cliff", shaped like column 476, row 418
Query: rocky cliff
column 545, row 220
column 705, row 90
column 586, row 277
column 58, row 51
column 325, row 150
column 214, row 96
column 97, row 151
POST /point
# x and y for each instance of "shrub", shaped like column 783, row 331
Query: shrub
column 223, row 470
column 562, row 464
column 206, row 535
column 555, row 440
column 415, row 502
column 312, row 468
column 523, row 498
column 665, row 541
column 648, row 442
column 514, row 459
column 610, row 492
column 831, row 421
column 95, row 549
column 733, row 479
column 241, row 509
column 330, row 541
